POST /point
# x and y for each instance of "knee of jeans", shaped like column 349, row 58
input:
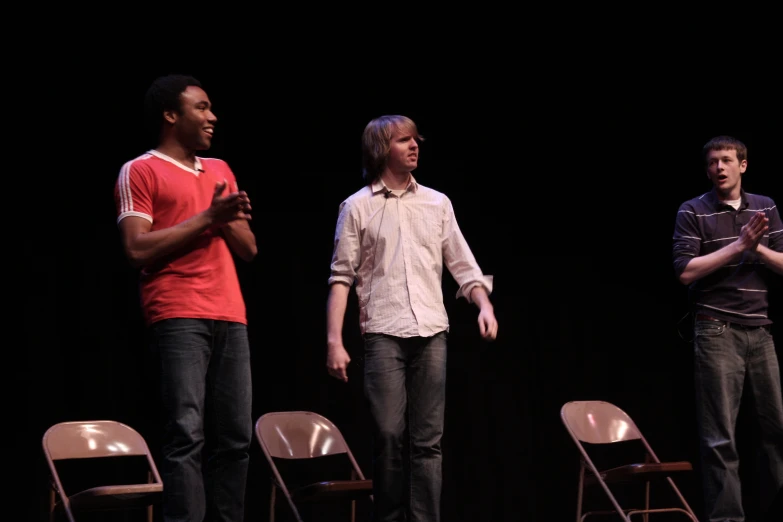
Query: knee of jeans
column 187, row 428
column 427, row 433
column 390, row 435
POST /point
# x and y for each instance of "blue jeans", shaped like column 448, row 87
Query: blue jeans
column 206, row 401
column 405, row 386
column 727, row 358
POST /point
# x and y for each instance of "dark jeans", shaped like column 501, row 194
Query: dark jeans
column 206, row 404
column 405, row 385
column 727, row 358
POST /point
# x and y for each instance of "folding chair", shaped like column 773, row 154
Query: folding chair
column 599, row 422
column 303, row 435
column 91, row 440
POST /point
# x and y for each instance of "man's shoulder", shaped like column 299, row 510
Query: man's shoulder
column 141, row 159
column 699, row 203
column 430, row 196
column 142, row 166
column 759, row 200
column 360, row 195
column 214, row 162
column 424, row 190
column 429, row 190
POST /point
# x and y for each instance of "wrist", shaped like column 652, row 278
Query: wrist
column 739, row 247
column 209, row 217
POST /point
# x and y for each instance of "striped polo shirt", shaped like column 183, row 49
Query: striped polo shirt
column 736, row 292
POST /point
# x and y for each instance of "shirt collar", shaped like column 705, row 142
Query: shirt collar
column 164, row 157
column 380, row 187
column 717, row 203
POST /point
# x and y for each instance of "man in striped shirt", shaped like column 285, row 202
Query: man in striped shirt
column 393, row 238
column 727, row 246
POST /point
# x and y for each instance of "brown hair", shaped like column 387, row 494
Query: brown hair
column 376, row 143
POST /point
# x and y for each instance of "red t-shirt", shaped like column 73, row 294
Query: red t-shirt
column 201, row 280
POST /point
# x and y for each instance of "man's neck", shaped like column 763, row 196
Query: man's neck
column 725, row 197
column 177, row 152
column 396, row 180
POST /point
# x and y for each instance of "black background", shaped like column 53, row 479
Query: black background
column 565, row 167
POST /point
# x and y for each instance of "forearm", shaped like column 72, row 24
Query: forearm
column 335, row 313
column 771, row 258
column 240, row 239
column 480, row 297
column 702, row 266
column 146, row 247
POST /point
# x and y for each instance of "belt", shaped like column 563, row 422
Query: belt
column 705, row 317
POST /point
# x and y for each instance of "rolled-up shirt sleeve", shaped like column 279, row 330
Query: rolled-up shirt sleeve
column 347, row 246
column 459, row 259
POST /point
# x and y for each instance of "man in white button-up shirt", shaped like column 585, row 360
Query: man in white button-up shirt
column 393, row 238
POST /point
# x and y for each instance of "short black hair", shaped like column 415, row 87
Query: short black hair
column 163, row 95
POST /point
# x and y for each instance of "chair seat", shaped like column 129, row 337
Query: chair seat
column 129, row 496
column 640, row 472
column 333, row 489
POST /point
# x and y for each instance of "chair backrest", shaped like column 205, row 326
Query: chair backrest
column 77, row 440
column 299, row 435
column 90, row 439
column 598, row 422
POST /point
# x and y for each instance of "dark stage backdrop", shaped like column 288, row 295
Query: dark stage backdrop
column 565, row 179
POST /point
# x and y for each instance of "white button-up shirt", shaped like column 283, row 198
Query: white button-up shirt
column 394, row 249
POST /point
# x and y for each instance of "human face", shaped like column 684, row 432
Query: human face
column 725, row 171
column 403, row 152
column 195, row 122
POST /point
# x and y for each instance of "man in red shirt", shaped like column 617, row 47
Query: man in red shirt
column 180, row 217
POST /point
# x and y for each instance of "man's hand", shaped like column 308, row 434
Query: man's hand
column 488, row 325
column 337, row 360
column 753, row 231
column 225, row 209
